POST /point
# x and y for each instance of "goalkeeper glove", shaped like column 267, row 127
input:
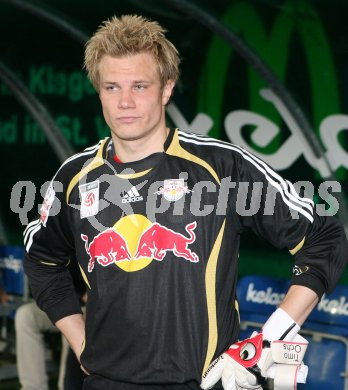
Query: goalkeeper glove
column 246, row 364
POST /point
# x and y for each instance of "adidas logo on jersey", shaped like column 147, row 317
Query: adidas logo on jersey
column 132, row 196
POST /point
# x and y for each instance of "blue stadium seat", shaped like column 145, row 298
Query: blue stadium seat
column 11, row 268
column 327, row 331
column 13, row 279
column 327, row 360
column 12, row 274
column 331, row 314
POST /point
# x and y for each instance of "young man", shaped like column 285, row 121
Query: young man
column 153, row 217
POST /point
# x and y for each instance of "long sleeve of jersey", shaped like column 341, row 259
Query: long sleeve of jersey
column 49, row 251
column 269, row 205
column 320, row 262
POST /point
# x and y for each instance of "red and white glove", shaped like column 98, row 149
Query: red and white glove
column 275, row 353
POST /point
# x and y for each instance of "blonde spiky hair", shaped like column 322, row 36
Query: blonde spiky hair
column 128, row 35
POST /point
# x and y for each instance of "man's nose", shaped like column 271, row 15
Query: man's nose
column 126, row 99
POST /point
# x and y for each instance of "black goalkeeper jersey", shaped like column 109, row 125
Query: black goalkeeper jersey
column 157, row 243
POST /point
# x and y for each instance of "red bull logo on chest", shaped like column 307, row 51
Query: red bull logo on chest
column 134, row 242
column 106, row 248
column 156, row 241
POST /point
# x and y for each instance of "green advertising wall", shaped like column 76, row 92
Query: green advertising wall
column 298, row 48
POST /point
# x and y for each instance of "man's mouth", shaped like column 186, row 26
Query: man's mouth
column 127, row 119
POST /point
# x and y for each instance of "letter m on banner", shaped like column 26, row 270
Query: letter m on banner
column 296, row 22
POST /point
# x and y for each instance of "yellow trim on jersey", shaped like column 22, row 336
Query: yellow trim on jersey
column 132, row 175
column 95, row 163
column 83, row 346
column 297, row 247
column 210, row 285
column 236, row 306
column 46, row 263
column 176, row 150
column 84, row 277
column 82, row 271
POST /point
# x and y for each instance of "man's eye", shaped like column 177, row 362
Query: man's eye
column 111, row 88
column 140, row 86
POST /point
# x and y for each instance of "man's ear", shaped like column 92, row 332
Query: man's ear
column 167, row 91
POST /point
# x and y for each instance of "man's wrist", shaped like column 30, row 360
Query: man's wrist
column 280, row 326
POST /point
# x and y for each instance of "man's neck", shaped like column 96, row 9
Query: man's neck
column 135, row 150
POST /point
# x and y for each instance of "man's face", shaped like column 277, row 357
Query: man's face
column 132, row 98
